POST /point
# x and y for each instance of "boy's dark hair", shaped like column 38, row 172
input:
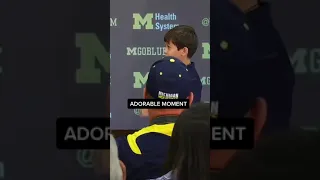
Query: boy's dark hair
column 183, row 36
column 189, row 150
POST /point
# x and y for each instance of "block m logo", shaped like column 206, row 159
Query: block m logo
column 206, row 51
column 140, row 21
column 306, row 60
column 139, row 79
column 92, row 52
column 131, row 51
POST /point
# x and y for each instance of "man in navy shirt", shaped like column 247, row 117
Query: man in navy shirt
column 249, row 55
column 144, row 152
column 276, row 74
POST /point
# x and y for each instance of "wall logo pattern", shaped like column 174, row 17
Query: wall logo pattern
column 113, row 22
column 85, row 158
column 306, row 60
column 145, row 51
column 154, row 21
column 92, row 52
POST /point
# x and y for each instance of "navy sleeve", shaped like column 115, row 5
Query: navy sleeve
column 122, row 147
column 126, row 155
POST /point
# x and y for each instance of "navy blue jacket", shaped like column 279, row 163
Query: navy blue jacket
column 276, row 72
column 249, row 59
column 232, row 51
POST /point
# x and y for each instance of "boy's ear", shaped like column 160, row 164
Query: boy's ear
column 185, row 51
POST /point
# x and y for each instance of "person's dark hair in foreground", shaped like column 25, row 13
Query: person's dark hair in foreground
column 188, row 156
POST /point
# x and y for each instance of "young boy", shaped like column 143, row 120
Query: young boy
column 181, row 42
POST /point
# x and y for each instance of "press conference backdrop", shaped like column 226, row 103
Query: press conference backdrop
column 137, row 41
column 296, row 21
column 137, row 32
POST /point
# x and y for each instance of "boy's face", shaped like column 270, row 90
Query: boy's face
column 172, row 50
